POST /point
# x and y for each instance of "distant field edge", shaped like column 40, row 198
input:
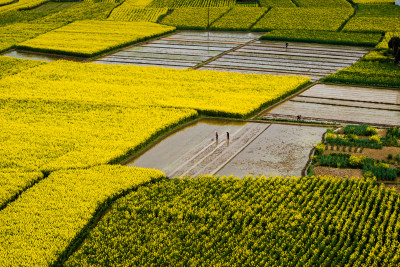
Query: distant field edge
column 324, row 37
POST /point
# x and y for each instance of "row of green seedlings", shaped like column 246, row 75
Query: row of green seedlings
column 378, row 168
column 364, row 143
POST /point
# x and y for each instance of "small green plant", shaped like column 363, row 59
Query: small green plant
column 390, row 156
column 398, row 157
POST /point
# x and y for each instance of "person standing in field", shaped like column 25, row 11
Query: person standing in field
column 227, row 135
column 216, row 136
column 287, row 44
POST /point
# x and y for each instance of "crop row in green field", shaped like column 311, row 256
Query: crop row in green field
column 194, row 18
column 328, row 37
column 209, row 221
column 192, row 3
column 137, row 14
column 39, row 226
column 329, row 19
column 239, row 18
column 90, row 38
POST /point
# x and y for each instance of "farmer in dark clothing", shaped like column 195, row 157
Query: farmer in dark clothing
column 216, row 136
column 287, row 44
column 227, row 135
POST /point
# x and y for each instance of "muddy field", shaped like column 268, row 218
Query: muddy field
column 342, row 104
column 182, row 50
column 253, row 148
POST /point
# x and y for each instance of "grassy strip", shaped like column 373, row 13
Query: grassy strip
column 324, row 37
column 38, row 227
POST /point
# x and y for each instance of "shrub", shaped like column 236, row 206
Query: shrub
column 375, row 139
column 355, row 161
column 319, row 149
column 390, row 156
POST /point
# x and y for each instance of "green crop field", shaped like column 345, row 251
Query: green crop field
column 273, row 221
column 303, row 19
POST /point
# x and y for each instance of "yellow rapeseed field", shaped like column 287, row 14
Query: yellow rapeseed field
column 41, row 223
column 90, row 38
column 46, row 135
column 209, row 92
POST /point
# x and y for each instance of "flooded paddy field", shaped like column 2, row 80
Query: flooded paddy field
column 303, row 59
column 253, row 148
column 342, row 104
column 184, row 49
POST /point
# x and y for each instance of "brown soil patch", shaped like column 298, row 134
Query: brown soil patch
column 344, row 173
column 379, row 154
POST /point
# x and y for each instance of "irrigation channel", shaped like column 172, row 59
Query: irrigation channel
column 342, row 104
column 252, row 149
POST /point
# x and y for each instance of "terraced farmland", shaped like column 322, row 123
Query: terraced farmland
column 343, row 104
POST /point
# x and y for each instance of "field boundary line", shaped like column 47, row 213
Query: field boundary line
column 360, row 85
column 269, row 108
column 355, row 7
column 263, row 15
column 201, row 64
column 341, row 105
column 350, row 100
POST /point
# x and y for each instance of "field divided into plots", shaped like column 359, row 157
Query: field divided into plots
column 182, row 50
column 303, row 59
column 239, row 52
column 342, row 104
